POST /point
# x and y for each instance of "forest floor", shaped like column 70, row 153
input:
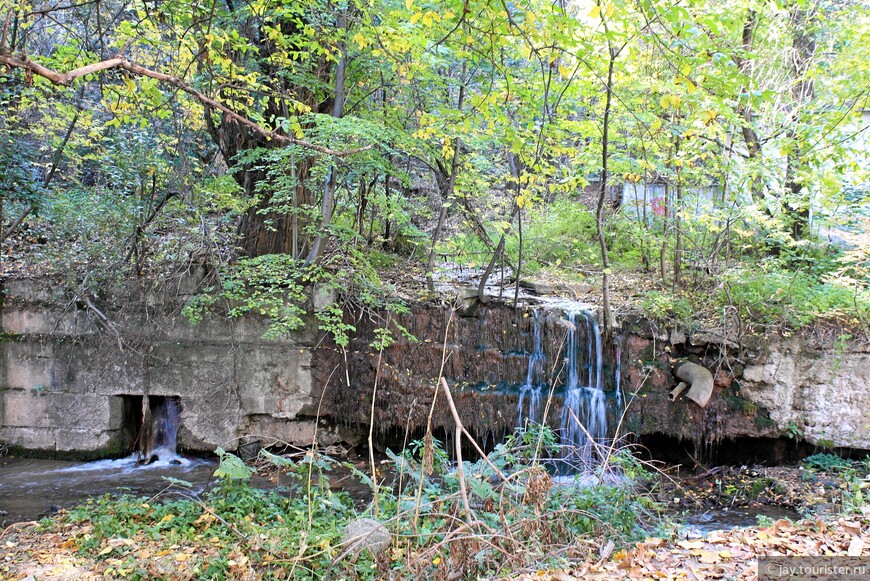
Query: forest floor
column 57, row 548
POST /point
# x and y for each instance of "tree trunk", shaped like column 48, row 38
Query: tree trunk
column 798, row 202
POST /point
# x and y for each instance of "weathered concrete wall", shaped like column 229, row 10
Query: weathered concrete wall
column 824, row 393
column 64, row 376
column 795, row 387
column 67, row 383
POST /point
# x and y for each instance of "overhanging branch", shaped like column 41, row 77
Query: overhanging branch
column 119, row 62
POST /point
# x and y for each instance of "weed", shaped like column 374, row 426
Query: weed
column 793, row 431
column 519, row 516
column 826, row 462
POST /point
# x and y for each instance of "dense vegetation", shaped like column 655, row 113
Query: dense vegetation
column 709, row 145
column 516, row 517
column 705, row 162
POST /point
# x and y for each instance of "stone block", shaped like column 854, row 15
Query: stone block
column 192, row 371
column 77, row 440
column 35, row 290
column 31, row 320
column 97, row 367
column 40, row 409
column 29, row 438
column 275, row 380
column 211, row 420
column 27, row 365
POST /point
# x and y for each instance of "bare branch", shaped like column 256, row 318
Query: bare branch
column 119, row 62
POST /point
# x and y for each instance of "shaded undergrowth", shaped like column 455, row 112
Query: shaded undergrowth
column 503, row 513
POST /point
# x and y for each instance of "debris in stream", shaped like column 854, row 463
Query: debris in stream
column 795, row 490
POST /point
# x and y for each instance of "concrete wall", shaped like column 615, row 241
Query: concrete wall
column 797, row 387
column 64, row 376
column 67, row 383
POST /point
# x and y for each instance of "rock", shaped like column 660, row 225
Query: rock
column 365, row 533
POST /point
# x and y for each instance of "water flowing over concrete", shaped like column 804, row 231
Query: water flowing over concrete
column 533, row 389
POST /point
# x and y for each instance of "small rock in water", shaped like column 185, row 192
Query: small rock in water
column 175, row 462
column 365, row 533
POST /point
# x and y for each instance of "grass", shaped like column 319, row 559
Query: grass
column 516, row 517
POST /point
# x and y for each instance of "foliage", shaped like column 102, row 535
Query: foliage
column 236, row 529
column 284, row 291
column 794, row 298
column 827, row 462
column 730, row 141
column 512, row 495
column 664, row 305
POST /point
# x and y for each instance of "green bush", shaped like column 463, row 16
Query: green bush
column 827, row 462
column 659, row 305
column 773, row 295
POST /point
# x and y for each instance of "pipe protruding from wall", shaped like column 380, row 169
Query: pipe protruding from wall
column 675, row 393
column 699, row 378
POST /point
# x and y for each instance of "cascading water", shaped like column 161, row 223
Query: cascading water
column 165, row 421
column 584, row 417
column 584, row 413
column 529, row 406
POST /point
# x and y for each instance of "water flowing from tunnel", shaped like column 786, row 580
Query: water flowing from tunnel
column 166, row 420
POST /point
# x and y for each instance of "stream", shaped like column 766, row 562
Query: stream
column 32, row 488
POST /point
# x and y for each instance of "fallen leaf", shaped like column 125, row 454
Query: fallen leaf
column 855, row 547
column 851, row 527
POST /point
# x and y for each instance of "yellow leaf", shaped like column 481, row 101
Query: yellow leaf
column 415, row 17
column 408, row 4
column 181, row 557
column 167, row 518
column 609, row 10
column 563, row 71
column 436, row 561
column 595, row 12
column 105, row 551
column 131, row 85
column 665, row 101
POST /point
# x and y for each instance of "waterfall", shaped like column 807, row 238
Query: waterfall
column 584, row 413
column 584, row 417
column 165, row 421
column 529, row 406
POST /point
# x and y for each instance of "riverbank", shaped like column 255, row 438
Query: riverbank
column 652, row 525
column 53, row 551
